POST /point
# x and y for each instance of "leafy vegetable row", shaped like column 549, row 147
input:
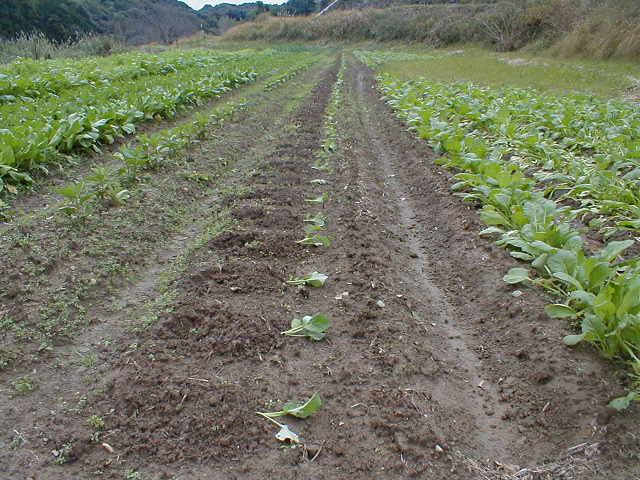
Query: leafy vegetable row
column 110, row 184
column 289, row 74
column 315, row 326
column 27, row 80
column 601, row 291
column 36, row 145
column 584, row 149
column 39, row 137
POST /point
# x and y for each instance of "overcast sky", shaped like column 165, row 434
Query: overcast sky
column 198, row 4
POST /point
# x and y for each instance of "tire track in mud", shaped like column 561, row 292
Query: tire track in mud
column 470, row 389
column 525, row 399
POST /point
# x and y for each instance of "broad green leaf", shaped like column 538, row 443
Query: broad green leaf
column 614, row 249
column 303, row 410
column 493, row 217
column 318, row 220
column 316, row 240
column 516, row 275
column 558, row 310
column 622, row 403
column 319, row 200
column 522, row 256
column 568, row 279
column 7, row 156
column 315, row 279
column 313, row 327
column 311, row 229
column 573, row 339
column 491, row 231
column 581, row 296
column 318, row 323
column 300, row 410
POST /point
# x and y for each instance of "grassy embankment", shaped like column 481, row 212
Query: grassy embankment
column 562, row 27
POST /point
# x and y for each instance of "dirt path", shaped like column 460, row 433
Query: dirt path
column 522, row 398
column 432, row 368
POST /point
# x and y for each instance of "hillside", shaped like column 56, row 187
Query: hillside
column 134, row 21
column 221, row 17
column 572, row 28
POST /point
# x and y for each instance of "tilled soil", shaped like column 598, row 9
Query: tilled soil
column 432, row 368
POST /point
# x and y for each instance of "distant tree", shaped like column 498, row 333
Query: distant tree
column 299, row 7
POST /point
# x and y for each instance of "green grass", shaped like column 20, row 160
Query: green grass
column 606, row 78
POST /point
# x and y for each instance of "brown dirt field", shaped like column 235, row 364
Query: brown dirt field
column 432, row 368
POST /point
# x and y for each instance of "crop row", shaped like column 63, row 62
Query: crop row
column 37, row 137
column 289, row 74
column 600, row 290
column 110, row 184
column 584, row 149
column 45, row 141
column 27, row 80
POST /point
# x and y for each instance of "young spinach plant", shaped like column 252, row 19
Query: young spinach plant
column 77, row 199
column 311, row 326
column 314, row 279
column 316, row 240
column 299, row 410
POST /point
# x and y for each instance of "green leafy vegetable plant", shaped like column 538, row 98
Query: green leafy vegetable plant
column 77, row 199
column 310, row 326
column 318, row 220
column 321, row 200
column 299, row 410
column 314, row 279
column 106, row 185
column 316, row 240
column 622, row 403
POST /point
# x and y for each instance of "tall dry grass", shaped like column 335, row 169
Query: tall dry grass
column 603, row 33
column 36, row 45
column 590, row 28
column 436, row 26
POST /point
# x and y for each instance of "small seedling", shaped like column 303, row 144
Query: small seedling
column 117, row 196
column 23, row 385
column 63, row 454
column 106, row 186
column 321, row 166
column 311, row 229
column 132, row 475
column 318, row 220
column 316, row 240
column 312, row 326
column 134, row 161
column 76, row 199
column 96, row 422
column 314, row 279
column 300, row 410
column 318, row 201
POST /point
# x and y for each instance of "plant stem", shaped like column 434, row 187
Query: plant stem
column 266, row 415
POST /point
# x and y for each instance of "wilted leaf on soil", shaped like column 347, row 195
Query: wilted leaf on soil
column 315, row 279
column 286, row 435
column 316, row 240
